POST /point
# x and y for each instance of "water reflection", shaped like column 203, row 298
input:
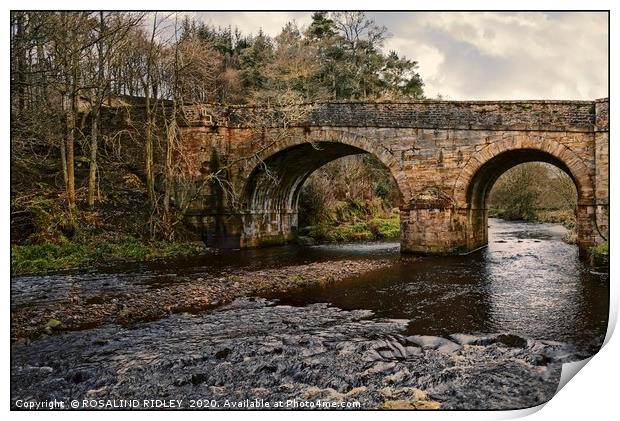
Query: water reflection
column 527, row 282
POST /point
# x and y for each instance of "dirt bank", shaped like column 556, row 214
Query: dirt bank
column 75, row 312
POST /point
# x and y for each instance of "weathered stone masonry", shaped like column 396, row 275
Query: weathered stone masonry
column 444, row 156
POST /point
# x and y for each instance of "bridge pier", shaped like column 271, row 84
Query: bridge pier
column 445, row 231
column 432, row 223
column 589, row 233
column 433, row 230
column 263, row 229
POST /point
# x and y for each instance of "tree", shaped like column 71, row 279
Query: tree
column 322, row 35
column 348, row 49
column 524, row 190
column 69, row 42
column 111, row 31
column 293, row 66
column 321, row 28
column 253, row 61
column 361, row 39
column 400, row 78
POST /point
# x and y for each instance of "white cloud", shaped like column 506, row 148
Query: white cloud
column 251, row 22
column 429, row 58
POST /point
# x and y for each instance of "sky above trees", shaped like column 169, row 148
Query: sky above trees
column 481, row 55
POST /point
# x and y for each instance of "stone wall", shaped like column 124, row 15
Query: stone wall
column 601, row 163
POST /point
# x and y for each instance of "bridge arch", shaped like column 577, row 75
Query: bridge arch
column 270, row 194
column 480, row 173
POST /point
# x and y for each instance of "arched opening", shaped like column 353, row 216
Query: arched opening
column 350, row 199
column 534, row 192
column 270, row 199
column 502, row 165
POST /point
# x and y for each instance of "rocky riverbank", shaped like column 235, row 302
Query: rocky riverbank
column 75, row 310
column 256, row 350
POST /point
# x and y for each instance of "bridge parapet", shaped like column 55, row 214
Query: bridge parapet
column 572, row 116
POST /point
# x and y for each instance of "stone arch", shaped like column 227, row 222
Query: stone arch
column 344, row 137
column 485, row 166
column 271, row 190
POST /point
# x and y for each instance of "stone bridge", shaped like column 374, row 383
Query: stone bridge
column 443, row 155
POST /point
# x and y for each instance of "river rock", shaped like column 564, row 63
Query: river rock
column 379, row 367
column 402, row 404
column 410, row 393
column 305, row 241
column 512, row 341
column 464, row 339
column 434, row 342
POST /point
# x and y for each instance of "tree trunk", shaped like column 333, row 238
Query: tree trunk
column 96, row 111
column 92, row 173
column 70, row 158
column 63, row 159
column 71, row 72
column 148, row 140
column 167, row 188
column 150, row 178
column 170, row 144
column 21, row 66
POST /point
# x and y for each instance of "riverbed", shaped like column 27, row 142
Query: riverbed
column 488, row 330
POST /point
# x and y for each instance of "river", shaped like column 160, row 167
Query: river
column 488, row 330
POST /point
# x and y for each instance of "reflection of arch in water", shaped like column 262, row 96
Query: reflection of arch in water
column 530, row 296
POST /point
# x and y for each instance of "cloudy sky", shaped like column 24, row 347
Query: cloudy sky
column 482, row 55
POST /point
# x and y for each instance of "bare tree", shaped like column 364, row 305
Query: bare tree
column 111, row 32
column 72, row 38
column 149, row 93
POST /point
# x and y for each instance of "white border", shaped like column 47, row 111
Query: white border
column 591, row 394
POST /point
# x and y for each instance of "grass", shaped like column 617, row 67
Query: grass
column 49, row 257
column 564, row 217
column 373, row 230
column 355, row 220
column 386, row 228
column 599, row 254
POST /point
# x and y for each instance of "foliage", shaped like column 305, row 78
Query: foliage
column 350, row 199
column 352, row 188
column 374, row 230
column 599, row 255
column 339, row 56
column 385, row 228
column 534, row 191
column 355, row 220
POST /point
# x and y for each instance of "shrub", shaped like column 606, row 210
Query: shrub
column 599, row 254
